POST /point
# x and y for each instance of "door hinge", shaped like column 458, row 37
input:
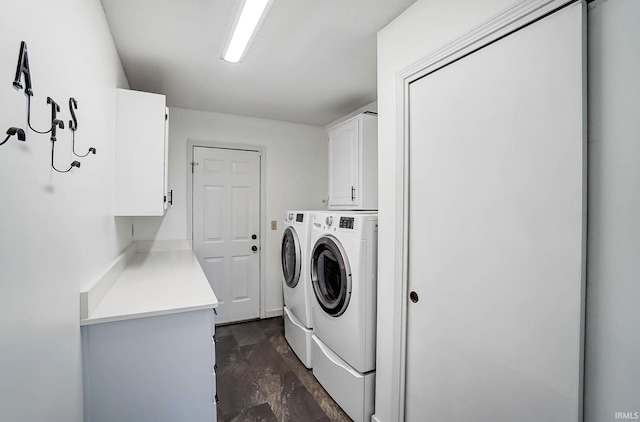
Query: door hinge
column 193, row 166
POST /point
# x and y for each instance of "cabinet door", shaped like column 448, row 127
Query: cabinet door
column 166, row 161
column 140, row 153
column 344, row 142
column 156, row 369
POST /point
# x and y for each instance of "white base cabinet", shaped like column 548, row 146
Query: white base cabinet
column 141, row 151
column 153, row 369
column 353, row 164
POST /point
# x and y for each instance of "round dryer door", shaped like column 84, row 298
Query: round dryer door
column 330, row 276
column 290, row 256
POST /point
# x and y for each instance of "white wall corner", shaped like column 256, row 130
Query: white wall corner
column 100, row 286
column 369, row 107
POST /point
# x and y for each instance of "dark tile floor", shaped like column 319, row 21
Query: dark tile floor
column 260, row 378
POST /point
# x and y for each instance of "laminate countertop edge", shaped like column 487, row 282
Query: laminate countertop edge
column 154, row 284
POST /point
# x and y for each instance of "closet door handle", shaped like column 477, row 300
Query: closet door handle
column 414, row 297
column 353, row 193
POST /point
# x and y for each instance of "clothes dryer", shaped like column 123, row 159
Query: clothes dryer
column 294, row 254
column 343, row 271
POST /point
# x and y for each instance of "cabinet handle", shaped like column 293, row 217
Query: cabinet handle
column 353, row 193
column 171, row 197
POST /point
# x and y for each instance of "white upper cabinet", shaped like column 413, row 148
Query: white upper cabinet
column 353, row 164
column 141, row 154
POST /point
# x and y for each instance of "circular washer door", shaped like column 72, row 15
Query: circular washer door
column 330, row 276
column 290, row 256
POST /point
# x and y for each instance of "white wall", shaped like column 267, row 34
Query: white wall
column 423, row 28
column 612, row 374
column 296, row 177
column 57, row 231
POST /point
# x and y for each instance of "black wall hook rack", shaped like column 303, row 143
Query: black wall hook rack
column 24, row 72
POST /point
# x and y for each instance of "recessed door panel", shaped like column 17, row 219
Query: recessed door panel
column 213, row 200
column 240, row 274
column 240, row 213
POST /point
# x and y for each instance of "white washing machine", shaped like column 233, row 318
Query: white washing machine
column 294, row 257
column 343, row 270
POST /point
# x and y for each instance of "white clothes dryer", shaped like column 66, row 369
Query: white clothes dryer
column 294, row 256
column 343, row 271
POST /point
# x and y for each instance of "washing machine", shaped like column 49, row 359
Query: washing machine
column 294, row 256
column 343, row 272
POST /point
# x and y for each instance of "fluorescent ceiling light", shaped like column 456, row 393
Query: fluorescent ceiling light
column 245, row 28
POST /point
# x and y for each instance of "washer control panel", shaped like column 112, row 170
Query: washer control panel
column 346, row 222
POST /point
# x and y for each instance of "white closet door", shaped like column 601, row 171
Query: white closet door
column 496, row 231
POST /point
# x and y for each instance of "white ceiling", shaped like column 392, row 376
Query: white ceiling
column 311, row 62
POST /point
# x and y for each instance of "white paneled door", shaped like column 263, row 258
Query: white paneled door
column 496, row 230
column 226, row 228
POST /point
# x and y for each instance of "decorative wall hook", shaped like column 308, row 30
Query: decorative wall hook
column 53, row 166
column 73, row 125
column 14, row 131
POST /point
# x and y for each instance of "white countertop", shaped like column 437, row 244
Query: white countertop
column 155, row 283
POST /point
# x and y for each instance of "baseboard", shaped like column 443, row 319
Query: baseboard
column 273, row 313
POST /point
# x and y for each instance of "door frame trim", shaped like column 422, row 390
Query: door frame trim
column 513, row 18
column 262, row 151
